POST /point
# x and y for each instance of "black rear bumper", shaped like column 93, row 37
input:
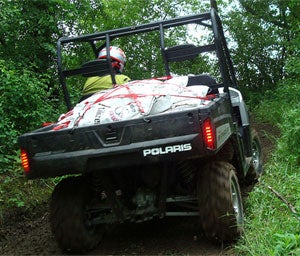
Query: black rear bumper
column 165, row 137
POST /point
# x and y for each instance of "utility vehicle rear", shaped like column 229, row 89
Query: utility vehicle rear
column 186, row 159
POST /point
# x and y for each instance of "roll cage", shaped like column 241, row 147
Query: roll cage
column 176, row 53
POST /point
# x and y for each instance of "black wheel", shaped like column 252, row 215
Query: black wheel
column 220, row 202
column 69, row 218
column 256, row 168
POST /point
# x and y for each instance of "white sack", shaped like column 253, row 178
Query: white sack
column 135, row 99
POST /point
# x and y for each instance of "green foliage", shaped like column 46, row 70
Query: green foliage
column 143, row 61
column 23, row 107
column 271, row 228
column 284, row 111
column 265, row 39
column 263, row 36
column 287, row 244
column 29, row 93
column 18, row 193
column 290, row 140
column 28, row 32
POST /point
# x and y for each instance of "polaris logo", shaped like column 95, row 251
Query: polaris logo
column 167, row 149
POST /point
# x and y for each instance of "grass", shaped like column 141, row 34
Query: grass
column 271, row 226
column 18, row 195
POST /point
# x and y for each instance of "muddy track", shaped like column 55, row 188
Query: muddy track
column 28, row 233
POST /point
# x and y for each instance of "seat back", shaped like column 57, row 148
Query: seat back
column 185, row 52
column 201, row 80
column 204, row 80
column 98, row 67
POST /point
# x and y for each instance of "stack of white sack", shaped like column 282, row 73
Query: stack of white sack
column 135, row 99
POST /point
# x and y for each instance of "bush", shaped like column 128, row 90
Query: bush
column 290, row 141
column 23, row 106
column 271, row 227
column 281, row 107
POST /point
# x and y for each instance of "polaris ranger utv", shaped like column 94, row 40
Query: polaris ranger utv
column 187, row 161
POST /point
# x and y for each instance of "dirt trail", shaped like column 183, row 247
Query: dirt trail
column 167, row 237
column 29, row 233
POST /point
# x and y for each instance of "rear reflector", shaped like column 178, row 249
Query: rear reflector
column 208, row 134
column 25, row 161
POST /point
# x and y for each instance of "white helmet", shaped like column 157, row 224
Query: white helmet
column 117, row 56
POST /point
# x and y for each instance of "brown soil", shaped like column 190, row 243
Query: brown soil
column 28, row 233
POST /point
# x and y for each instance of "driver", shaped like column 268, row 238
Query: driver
column 99, row 83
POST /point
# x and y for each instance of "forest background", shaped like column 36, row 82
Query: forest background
column 264, row 40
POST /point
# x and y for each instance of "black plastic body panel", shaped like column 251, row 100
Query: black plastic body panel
column 121, row 144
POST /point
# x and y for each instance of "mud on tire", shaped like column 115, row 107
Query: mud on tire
column 220, row 202
column 68, row 218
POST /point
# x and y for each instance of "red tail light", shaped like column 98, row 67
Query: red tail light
column 209, row 135
column 25, row 161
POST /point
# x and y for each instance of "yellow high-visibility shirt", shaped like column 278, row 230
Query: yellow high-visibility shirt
column 99, row 83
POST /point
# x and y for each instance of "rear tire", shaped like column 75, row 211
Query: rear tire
column 68, row 217
column 256, row 168
column 220, row 202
